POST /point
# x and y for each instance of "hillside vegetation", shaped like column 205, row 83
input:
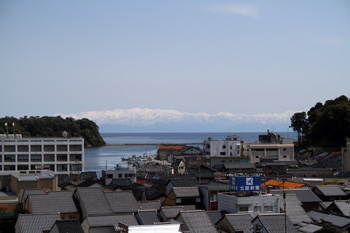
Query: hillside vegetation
column 53, row 127
column 325, row 125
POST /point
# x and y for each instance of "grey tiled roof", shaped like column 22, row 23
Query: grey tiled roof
column 171, row 211
column 330, row 190
column 186, row 191
column 310, row 228
column 147, row 217
column 234, row 166
column 32, row 191
column 122, row 201
column 304, row 195
column 343, row 206
column 66, row 226
column 295, row 211
column 215, row 215
column 93, row 202
column 275, row 223
column 150, row 205
column 112, row 220
column 184, row 182
column 240, row 222
column 34, row 223
column 52, row 203
column 336, row 220
column 197, row 221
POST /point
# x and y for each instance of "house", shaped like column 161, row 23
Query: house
column 195, row 221
column 245, row 169
column 18, row 181
column 119, row 173
column 29, row 223
column 332, row 222
column 53, row 202
column 312, row 228
column 230, row 147
column 168, row 213
column 273, row 223
column 120, row 183
column 216, row 215
column 210, row 191
column 183, row 196
column 309, row 199
column 89, row 175
column 271, row 147
column 107, row 223
column 168, row 152
column 93, row 202
column 66, row 226
column 122, row 202
column 329, row 192
column 147, row 217
column 253, row 203
column 339, row 207
column 150, row 205
column 294, row 209
column 237, row 223
column 173, row 227
column 179, row 166
column 216, row 161
column 181, row 181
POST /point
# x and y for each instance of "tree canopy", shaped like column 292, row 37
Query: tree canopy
column 326, row 124
column 35, row 126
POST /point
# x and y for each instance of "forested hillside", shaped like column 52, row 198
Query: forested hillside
column 325, row 125
column 53, row 127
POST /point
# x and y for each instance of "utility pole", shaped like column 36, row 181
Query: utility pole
column 285, row 208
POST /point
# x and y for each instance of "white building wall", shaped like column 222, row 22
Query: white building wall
column 230, row 147
column 255, row 204
column 61, row 155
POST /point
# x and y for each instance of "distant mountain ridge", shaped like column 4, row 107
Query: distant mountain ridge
column 158, row 120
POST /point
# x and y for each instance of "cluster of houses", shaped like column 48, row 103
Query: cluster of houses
column 190, row 192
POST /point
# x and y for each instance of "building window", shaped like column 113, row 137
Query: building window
column 10, row 158
column 268, row 208
column 120, row 175
column 243, row 209
column 61, row 167
column 35, row 148
column 76, row 157
column 284, row 156
column 49, row 148
column 9, row 168
column 230, row 146
column 9, row 148
column 284, row 149
column 213, row 197
column 222, row 153
column 61, row 157
column 109, row 176
column 257, row 157
column 49, row 158
column 223, row 146
column 61, row 147
column 22, row 167
column 23, row 158
column 257, row 209
column 35, row 158
column 75, row 148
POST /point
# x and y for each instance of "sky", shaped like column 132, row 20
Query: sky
column 76, row 58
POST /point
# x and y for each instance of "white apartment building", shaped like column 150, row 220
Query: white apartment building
column 271, row 146
column 61, row 155
column 252, row 203
column 231, row 146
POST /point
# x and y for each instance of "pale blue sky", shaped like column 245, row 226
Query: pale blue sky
column 246, row 57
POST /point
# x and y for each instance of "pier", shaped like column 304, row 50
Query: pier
column 156, row 144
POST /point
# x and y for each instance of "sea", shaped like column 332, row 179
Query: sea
column 107, row 157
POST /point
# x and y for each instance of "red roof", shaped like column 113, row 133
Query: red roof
column 171, row 147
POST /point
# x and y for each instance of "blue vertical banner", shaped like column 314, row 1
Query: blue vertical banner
column 245, row 183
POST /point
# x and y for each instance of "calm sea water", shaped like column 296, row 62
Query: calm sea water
column 98, row 159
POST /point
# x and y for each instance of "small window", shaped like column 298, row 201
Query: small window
column 284, row 156
column 257, row 157
column 257, row 209
column 223, row 146
column 268, row 208
column 243, row 209
column 120, row 175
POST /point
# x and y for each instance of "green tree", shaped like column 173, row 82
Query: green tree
column 299, row 123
